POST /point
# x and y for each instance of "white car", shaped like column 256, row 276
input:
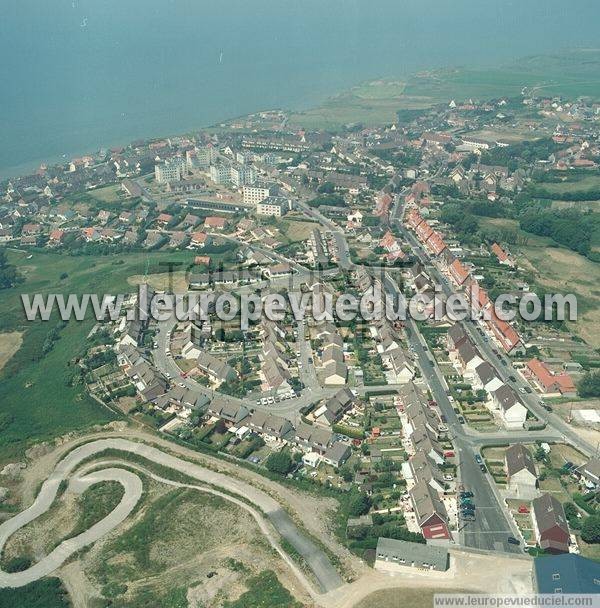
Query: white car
column 448, row 477
column 270, row 400
column 263, row 401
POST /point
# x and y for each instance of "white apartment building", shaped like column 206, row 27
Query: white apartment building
column 257, row 193
column 274, row 206
column 171, row 170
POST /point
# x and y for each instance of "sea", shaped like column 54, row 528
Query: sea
column 80, row 75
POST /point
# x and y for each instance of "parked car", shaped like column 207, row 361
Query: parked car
column 513, row 541
column 461, row 419
column 483, row 469
column 466, row 494
column 478, row 459
column 512, row 378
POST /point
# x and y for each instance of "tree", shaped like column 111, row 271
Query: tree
column 359, row 505
column 590, row 530
column 346, row 473
column 8, row 273
column 279, row 462
column 589, row 386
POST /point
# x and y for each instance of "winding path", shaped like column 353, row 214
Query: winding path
column 262, row 508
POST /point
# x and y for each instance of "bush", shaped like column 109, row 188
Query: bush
column 279, row 462
column 590, row 529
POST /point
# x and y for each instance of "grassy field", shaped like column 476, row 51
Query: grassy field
column 559, row 270
column 375, row 103
column 37, row 404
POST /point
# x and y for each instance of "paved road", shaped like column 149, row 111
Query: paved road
column 491, row 527
column 133, row 492
column 324, row 571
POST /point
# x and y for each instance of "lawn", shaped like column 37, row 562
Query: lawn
column 37, row 403
column 558, row 270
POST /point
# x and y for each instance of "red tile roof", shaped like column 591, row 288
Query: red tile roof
column 499, row 252
column 435, row 243
column 459, row 272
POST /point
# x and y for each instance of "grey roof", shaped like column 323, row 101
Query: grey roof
column 457, row 334
column 549, row 513
column 506, row 397
column 591, row 469
column 417, row 554
column 569, row 573
column 518, row 457
column 485, row 372
column 337, row 452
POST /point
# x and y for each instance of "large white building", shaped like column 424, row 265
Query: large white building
column 171, row 170
column 242, row 175
column 274, row 206
column 201, row 158
column 257, row 193
column 220, row 173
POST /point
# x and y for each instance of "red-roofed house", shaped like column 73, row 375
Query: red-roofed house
column 164, row 218
column 502, row 256
column 424, row 231
column 549, row 382
column 414, row 218
column 458, row 272
column 216, row 223
column 199, row 239
column 382, row 204
column 56, row 237
column 506, row 335
column 435, row 243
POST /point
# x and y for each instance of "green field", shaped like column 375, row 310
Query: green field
column 36, row 403
column 375, row 103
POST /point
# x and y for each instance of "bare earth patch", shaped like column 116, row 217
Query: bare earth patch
column 9, row 344
column 162, row 281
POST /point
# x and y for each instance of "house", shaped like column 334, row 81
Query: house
column 215, row 223
column 550, row 524
column 430, row 512
column 335, row 407
column 312, row 438
column 230, row 412
column 392, row 554
column 164, row 219
column 566, row 573
column 468, row 358
column 270, row 426
column 456, row 336
column 199, row 239
column 278, row 270
column 589, row 472
column 486, row 378
column 458, row 273
column 512, row 411
column 502, row 256
column 215, row 368
column 423, row 468
column 521, row 476
column 337, row 454
column 551, row 383
column 56, row 237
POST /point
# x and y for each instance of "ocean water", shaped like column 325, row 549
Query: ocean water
column 77, row 75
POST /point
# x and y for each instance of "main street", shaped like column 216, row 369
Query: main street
column 492, row 525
